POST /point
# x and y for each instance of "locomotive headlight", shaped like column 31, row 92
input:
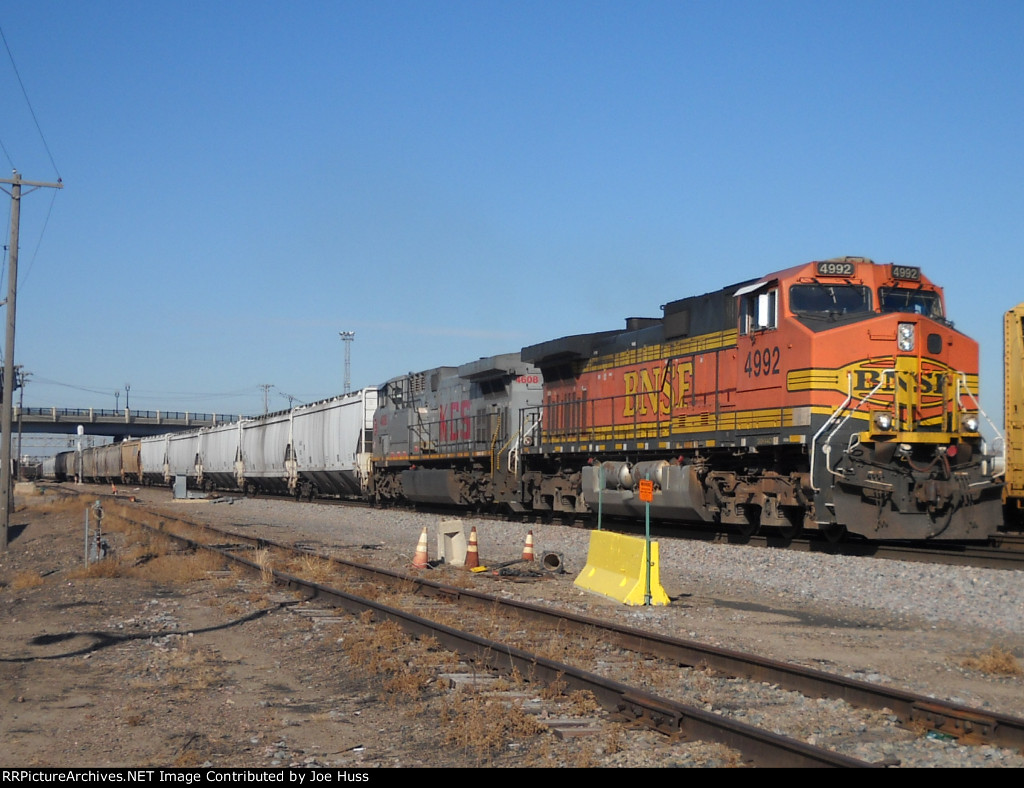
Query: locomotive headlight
column 883, row 421
column 905, row 337
column 970, row 422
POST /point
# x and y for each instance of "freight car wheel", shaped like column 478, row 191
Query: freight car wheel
column 834, row 532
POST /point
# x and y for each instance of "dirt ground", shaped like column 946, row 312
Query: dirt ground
column 167, row 662
column 160, row 660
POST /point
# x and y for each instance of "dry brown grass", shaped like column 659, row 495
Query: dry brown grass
column 406, row 668
column 263, row 560
column 70, row 504
column 109, row 567
column 312, row 567
column 179, row 568
column 480, row 726
column 25, row 580
column 995, row 661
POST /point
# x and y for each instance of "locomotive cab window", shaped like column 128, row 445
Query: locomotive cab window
column 905, row 299
column 758, row 308
column 827, row 300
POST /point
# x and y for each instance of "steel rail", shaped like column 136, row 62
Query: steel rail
column 632, row 704
column 967, row 724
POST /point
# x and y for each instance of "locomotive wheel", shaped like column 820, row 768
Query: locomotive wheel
column 753, row 521
column 789, row 531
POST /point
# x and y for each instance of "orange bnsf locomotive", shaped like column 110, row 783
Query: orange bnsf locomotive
column 833, row 396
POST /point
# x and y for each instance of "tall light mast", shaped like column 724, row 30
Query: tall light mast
column 347, row 337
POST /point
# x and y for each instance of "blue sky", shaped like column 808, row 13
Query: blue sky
column 451, row 180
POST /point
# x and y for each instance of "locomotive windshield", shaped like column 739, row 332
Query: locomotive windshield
column 904, row 299
column 825, row 300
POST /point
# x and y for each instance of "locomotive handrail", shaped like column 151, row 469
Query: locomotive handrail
column 495, row 455
column 826, row 447
column 961, row 380
column 513, row 454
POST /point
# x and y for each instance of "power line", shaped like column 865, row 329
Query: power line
column 31, row 111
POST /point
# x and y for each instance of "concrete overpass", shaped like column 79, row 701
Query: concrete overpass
column 117, row 424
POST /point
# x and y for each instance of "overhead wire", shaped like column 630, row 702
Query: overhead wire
column 49, row 154
column 32, row 112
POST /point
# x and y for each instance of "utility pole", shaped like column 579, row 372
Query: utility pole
column 6, row 498
column 266, row 397
column 347, row 337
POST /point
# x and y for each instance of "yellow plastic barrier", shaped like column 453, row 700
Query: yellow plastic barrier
column 617, row 568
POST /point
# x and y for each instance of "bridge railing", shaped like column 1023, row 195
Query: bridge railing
column 92, row 415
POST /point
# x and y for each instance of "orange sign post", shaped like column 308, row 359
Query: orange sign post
column 646, row 489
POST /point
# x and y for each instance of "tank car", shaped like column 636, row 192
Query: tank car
column 449, row 435
column 833, row 396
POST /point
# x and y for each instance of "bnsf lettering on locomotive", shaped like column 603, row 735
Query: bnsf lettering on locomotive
column 933, row 383
column 647, row 391
column 864, row 380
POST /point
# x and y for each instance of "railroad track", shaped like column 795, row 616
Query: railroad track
column 635, row 704
column 1004, row 551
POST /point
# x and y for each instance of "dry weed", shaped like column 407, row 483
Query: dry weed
column 582, row 703
column 480, row 725
column 379, row 652
column 995, row 661
column 262, row 559
column 106, row 568
column 312, row 567
column 178, row 568
column 72, row 504
column 614, row 741
column 25, row 580
column 554, row 689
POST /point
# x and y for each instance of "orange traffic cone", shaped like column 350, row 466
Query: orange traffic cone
column 528, row 548
column 472, row 553
column 419, row 561
column 113, row 487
